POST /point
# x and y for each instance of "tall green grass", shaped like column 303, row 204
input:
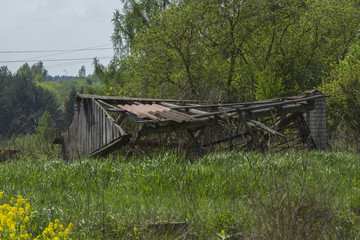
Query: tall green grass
column 294, row 195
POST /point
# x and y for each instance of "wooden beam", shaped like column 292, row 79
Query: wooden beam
column 249, row 105
column 190, row 109
column 257, row 124
column 284, row 110
column 122, row 141
column 265, row 110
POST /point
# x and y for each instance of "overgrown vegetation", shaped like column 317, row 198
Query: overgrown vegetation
column 227, row 50
column 296, row 195
column 343, row 86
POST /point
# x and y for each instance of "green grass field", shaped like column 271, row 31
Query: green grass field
column 296, row 195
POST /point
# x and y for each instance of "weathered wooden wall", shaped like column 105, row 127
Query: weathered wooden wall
column 91, row 131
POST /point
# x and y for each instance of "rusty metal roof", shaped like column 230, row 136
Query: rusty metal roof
column 156, row 112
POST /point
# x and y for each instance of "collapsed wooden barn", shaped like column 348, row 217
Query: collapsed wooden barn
column 103, row 124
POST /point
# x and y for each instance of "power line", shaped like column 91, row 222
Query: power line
column 61, row 65
column 54, row 60
column 56, row 54
column 57, row 51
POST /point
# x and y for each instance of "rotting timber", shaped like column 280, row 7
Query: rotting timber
column 103, row 124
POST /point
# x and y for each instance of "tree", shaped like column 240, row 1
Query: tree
column 46, row 130
column 134, row 18
column 227, row 50
column 69, row 107
column 229, row 31
column 82, row 72
column 343, row 86
column 5, row 113
column 25, row 100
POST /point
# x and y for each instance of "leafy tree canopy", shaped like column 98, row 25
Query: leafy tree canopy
column 227, row 50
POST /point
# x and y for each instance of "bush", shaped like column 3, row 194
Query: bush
column 343, row 86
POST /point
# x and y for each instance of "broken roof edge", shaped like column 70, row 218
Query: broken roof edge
column 115, row 100
column 121, row 100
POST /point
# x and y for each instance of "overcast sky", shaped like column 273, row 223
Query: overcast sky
column 49, row 25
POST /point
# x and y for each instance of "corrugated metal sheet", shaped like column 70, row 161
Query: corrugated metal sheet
column 156, row 112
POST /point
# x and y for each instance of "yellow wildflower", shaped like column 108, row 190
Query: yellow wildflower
column 15, row 220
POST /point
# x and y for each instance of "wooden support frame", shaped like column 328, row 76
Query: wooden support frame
column 96, row 129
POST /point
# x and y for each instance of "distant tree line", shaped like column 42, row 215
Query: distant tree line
column 23, row 101
column 31, row 101
column 58, row 78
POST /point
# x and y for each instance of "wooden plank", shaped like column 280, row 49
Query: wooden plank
column 99, row 138
column 86, row 129
column 83, row 130
column 108, row 133
column 78, row 133
column 103, row 122
column 110, row 123
column 257, row 124
column 264, row 111
column 286, row 120
column 99, row 123
column 76, row 136
column 191, row 109
column 108, row 106
column 116, row 132
column 91, row 125
column 87, row 126
column 284, row 110
column 97, row 127
column 90, row 112
column 111, row 147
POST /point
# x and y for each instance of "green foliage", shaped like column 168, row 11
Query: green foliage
column 227, row 50
column 69, row 107
column 5, row 80
column 46, row 130
column 225, row 222
column 82, row 72
column 135, row 17
column 62, row 88
column 24, row 100
column 268, row 86
column 343, row 86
